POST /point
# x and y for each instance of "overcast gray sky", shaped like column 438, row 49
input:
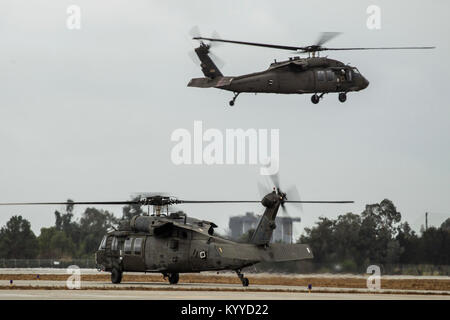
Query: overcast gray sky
column 87, row 114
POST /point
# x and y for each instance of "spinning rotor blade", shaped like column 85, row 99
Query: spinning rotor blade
column 292, row 193
column 263, row 189
column 275, row 178
column 195, row 33
column 151, row 194
column 325, row 37
column 217, row 61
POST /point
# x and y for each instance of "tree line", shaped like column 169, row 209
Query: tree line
column 351, row 242
column 376, row 236
column 66, row 239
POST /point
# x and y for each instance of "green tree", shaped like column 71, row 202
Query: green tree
column 17, row 240
column 55, row 244
column 409, row 241
column 129, row 211
column 446, row 225
column 435, row 246
column 346, row 234
column 94, row 224
column 321, row 240
column 63, row 222
column 44, row 240
column 61, row 245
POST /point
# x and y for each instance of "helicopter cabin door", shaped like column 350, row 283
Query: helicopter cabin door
column 133, row 253
column 326, row 80
column 199, row 256
column 178, row 249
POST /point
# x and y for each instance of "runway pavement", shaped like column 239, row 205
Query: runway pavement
column 98, row 290
column 19, row 294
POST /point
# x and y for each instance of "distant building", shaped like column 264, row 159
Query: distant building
column 240, row 225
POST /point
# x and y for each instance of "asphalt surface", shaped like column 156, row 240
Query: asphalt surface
column 19, row 294
column 98, row 290
column 105, row 290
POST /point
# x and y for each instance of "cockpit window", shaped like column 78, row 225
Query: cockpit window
column 349, row 75
column 356, row 71
column 102, row 244
column 321, row 75
column 114, row 244
column 127, row 246
column 330, row 75
column 137, row 245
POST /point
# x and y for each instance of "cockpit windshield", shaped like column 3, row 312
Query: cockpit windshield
column 355, row 70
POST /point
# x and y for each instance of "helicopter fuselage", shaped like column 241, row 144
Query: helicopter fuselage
column 164, row 244
column 174, row 243
column 316, row 75
column 297, row 75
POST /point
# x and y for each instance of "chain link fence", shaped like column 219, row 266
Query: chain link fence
column 47, row 263
column 299, row 267
column 310, row 267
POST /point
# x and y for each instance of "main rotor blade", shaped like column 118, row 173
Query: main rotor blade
column 302, row 201
column 258, row 201
column 326, row 37
column 138, row 202
column 69, row 203
column 375, row 48
column 218, row 201
column 267, row 45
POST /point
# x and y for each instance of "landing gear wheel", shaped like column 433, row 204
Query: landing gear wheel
column 234, row 98
column 244, row 281
column 342, row 97
column 315, row 99
column 173, row 278
column 116, row 275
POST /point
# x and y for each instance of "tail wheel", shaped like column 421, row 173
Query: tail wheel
column 315, row 99
column 173, row 278
column 116, row 275
column 342, row 97
column 245, row 282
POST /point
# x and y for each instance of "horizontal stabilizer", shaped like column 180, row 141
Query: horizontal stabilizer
column 279, row 252
column 275, row 252
column 218, row 82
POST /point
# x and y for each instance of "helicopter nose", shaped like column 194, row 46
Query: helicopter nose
column 365, row 82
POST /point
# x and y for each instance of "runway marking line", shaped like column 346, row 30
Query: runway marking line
column 31, row 287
